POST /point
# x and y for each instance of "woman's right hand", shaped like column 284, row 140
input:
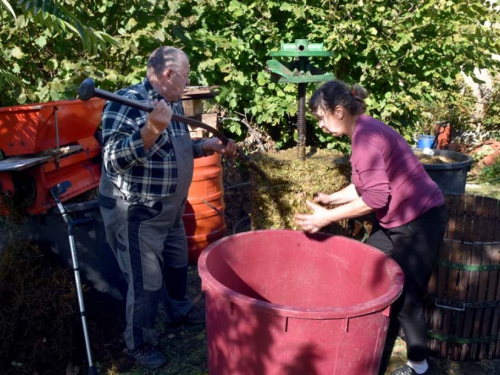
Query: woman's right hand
column 323, row 199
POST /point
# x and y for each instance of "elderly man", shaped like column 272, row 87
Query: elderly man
column 147, row 170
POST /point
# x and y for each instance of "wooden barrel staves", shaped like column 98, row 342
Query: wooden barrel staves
column 462, row 301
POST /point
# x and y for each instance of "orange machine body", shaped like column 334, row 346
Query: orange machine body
column 45, row 144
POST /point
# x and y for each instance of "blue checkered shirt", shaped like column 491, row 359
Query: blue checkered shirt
column 139, row 174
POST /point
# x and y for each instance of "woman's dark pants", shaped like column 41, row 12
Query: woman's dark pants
column 414, row 247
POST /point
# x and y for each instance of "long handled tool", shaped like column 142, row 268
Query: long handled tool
column 56, row 191
column 87, row 91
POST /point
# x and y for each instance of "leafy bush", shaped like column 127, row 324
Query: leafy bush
column 491, row 112
column 407, row 54
column 491, row 173
column 404, row 54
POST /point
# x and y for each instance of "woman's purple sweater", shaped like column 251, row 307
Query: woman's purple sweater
column 388, row 176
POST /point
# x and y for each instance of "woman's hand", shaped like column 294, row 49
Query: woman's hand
column 216, row 145
column 314, row 222
column 324, row 199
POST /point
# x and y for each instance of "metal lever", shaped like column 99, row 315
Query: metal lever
column 87, row 91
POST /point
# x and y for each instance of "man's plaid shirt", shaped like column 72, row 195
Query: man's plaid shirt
column 139, row 174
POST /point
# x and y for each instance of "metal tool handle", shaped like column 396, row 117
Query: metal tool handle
column 87, row 91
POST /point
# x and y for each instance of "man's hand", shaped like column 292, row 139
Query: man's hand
column 216, row 145
column 156, row 122
column 314, row 222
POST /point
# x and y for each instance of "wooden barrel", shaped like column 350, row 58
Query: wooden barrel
column 463, row 295
column 204, row 214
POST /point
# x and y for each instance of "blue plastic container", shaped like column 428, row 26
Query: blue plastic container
column 424, row 141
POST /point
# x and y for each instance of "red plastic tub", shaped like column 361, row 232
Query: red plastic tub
column 283, row 302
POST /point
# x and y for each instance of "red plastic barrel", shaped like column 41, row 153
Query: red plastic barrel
column 283, row 302
column 203, row 217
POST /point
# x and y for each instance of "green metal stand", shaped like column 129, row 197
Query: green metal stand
column 299, row 71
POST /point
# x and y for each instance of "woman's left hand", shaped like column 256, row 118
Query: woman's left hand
column 314, row 222
column 216, row 145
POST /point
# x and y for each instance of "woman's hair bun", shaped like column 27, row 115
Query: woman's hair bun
column 357, row 90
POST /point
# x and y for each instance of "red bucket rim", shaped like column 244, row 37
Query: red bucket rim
column 378, row 304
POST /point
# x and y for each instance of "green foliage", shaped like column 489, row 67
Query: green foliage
column 7, row 5
column 39, row 63
column 409, row 55
column 229, row 42
column 60, row 20
column 459, row 111
column 491, row 111
column 491, row 173
column 34, row 41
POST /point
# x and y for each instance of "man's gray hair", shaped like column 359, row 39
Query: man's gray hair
column 165, row 58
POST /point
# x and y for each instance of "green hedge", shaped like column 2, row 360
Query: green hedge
column 407, row 54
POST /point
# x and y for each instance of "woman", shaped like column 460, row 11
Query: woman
column 388, row 179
